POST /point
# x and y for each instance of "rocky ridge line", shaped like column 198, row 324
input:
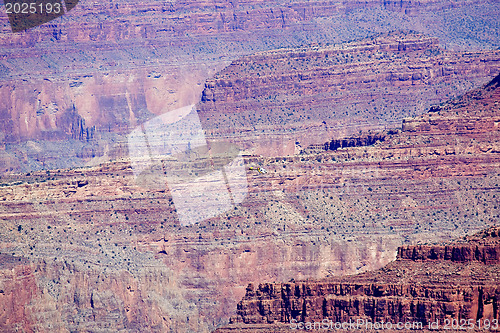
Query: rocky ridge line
column 414, row 288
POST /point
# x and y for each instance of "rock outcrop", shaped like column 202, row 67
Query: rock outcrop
column 92, row 249
column 112, row 65
column 108, row 251
column 483, row 247
column 255, row 101
column 357, row 141
column 431, row 284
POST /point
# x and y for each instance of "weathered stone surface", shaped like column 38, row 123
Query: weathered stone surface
column 79, row 83
column 418, row 288
column 90, row 249
column 357, row 141
column 311, row 216
column 255, row 101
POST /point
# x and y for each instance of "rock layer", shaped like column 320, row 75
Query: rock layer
column 255, row 101
column 95, row 249
column 424, row 287
column 110, row 65
column 313, row 215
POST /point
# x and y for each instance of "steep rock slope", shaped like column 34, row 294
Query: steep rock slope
column 109, row 252
column 270, row 101
column 80, row 83
column 426, row 284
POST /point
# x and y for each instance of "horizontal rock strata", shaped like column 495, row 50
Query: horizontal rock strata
column 421, row 289
column 255, row 101
column 84, row 81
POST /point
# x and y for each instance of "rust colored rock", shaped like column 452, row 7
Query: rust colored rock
column 98, row 246
column 254, row 101
column 422, row 288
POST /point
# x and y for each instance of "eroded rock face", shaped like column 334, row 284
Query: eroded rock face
column 482, row 247
column 110, row 252
column 80, row 83
column 357, row 141
column 424, row 287
column 91, row 249
column 254, row 101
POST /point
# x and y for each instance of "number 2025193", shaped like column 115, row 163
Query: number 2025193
column 33, row 8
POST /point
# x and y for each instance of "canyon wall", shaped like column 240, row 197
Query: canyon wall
column 254, row 102
column 311, row 216
column 86, row 246
column 107, row 66
column 415, row 288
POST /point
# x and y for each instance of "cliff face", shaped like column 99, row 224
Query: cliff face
column 107, row 66
column 109, row 251
column 92, row 249
column 255, row 101
column 482, row 247
column 425, row 286
column 357, row 141
column 156, row 20
column 484, row 254
column 105, row 251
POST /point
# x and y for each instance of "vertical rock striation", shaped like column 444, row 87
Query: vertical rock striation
column 425, row 284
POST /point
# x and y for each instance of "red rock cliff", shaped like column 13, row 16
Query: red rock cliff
column 255, row 101
column 110, row 252
column 427, row 287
